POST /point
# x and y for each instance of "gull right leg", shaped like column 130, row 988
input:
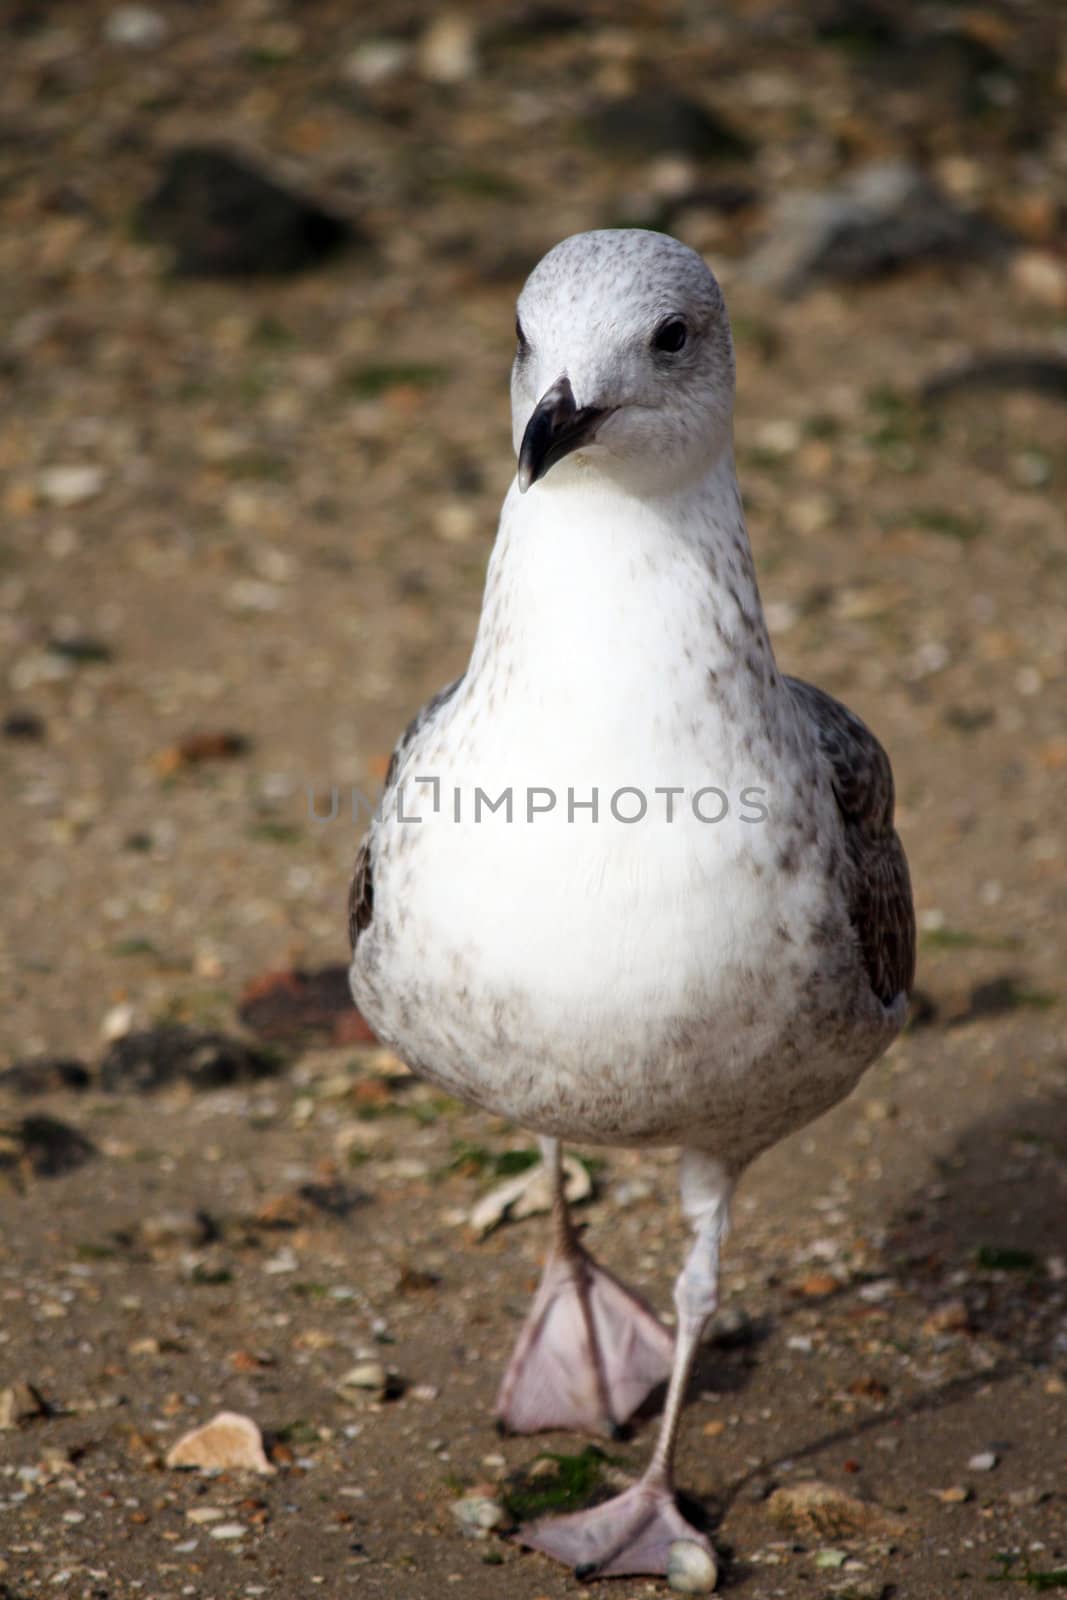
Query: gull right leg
column 637, row 1530
column 590, row 1350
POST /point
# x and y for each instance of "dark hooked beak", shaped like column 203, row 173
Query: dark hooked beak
column 556, row 428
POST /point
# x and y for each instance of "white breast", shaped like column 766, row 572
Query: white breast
column 620, row 658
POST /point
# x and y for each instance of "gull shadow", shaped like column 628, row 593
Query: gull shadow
column 982, row 1229
column 723, row 1364
column 986, row 1225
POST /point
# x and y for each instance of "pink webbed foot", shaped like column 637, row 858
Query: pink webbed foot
column 631, row 1534
column 589, row 1353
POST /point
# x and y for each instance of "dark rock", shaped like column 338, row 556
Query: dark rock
column 154, row 1057
column 308, row 1203
column 654, row 122
column 413, row 1280
column 883, row 219
column 45, row 1075
column 304, row 1008
column 1040, row 373
column 525, row 24
column 80, row 648
column 334, row 1199
column 858, row 25
column 23, row 725
column 221, row 217
column 44, row 1147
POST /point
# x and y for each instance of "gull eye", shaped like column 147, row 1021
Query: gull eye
column 523, row 342
column 670, row 336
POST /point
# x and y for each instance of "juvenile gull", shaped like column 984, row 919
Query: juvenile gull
column 688, row 920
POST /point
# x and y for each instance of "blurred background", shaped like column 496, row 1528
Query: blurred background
column 258, row 270
column 258, row 262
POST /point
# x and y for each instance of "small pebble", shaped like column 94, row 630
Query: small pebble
column 192, row 1228
column 252, row 594
column 690, row 1568
column 118, row 1022
column 956, row 1495
column 477, row 1515
column 376, row 61
column 365, row 1375
column 881, row 1289
column 817, row 1285
column 229, row 1530
column 135, row 27
column 70, row 485
column 284, row 1260
column 985, row 1461
column 1042, row 277
column 446, row 50
column 951, row 1316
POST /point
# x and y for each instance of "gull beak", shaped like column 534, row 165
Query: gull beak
column 556, row 427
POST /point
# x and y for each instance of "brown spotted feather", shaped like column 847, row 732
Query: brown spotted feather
column 361, row 893
column 880, row 903
column 361, row 889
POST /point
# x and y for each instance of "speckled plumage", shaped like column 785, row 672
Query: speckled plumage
column 658, row 975
column 709, row 985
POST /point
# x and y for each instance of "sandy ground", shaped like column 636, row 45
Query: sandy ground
column 292, row 493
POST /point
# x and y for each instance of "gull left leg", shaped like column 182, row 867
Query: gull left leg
column 591, row 1350
column 634, row 1532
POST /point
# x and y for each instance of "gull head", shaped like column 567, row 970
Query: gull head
column 624, row 363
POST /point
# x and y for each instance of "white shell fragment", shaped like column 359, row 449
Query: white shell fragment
column 229, row 1440
column 365, row 1375
column 529, row 1194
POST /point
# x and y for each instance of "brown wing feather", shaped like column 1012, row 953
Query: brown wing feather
column 361, row 889
column 361, row 893
column 880, row 905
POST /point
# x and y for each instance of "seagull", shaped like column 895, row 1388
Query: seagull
column 629, row 884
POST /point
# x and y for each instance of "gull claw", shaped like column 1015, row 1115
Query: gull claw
column 637, row 1532
column 589, row 1354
